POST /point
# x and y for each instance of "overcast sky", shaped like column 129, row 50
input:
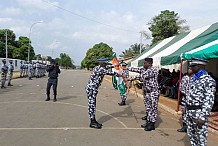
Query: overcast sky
column 74, row 26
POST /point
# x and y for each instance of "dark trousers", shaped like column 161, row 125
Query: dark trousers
column 54, row 84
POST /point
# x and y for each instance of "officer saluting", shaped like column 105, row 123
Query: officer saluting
column 199, row 101
column 53, row 71
column 93, row 84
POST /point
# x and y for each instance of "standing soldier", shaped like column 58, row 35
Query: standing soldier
column 29, row 69
column 4, row 70
column 21, row 69
column 125, row 73
column 148, row 75
column 199, row 101
column 53, row 72
column 93, row 84
column 11, row 70
column 184, row 85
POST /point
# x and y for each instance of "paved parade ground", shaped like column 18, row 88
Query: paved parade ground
column 28, row 120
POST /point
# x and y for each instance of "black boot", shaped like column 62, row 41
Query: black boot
column 122, row 103
column 183, row 129
column 48, row 97
column 145, row 125
column 150, row 126
column 9, row 84
column 55, row 98
column 95, row 124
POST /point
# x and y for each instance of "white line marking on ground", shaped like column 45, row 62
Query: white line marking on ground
column 68, row 104
column 82, row 128
column 37, row 85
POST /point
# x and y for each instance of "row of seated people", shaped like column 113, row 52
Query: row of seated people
column 169, row 85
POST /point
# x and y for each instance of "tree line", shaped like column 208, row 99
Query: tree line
column 18, row 49
column 166, row 24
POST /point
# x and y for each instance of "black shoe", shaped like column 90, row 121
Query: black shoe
column 144, row 118
column 47, row 99
column 183, row 129
column 95, row 125
column 150, row 127
column 145, row 125
column 122, row 103
column 3, row 87
column 54, row 100
column 10, row 85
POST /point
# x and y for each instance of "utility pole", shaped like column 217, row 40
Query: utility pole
column 6, row 47
column 140, row 51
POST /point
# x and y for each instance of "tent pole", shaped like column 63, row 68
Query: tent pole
column 180, row 78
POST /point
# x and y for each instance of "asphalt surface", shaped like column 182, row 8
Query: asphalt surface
column 27, row 120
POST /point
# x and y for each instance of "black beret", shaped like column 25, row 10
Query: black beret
column 149, row 59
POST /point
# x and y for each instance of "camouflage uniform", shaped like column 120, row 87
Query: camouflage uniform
column 11, row 70
column 93, row 84
column 199, row 101
column 21, row 69
column 184, row 84
column 4, row 70
column 150, row 90
column 126, row 72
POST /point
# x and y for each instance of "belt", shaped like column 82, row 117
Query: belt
column 193, row 107
column 53, row 78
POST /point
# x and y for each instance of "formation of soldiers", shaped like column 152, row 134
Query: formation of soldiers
column 32, row 69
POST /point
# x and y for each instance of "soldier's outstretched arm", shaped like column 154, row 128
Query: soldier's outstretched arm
column 134, row 69
column 138, row 77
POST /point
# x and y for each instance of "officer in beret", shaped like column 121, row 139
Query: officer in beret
column 10, row 72
column 148, row 75
column 4, row 70
column 199, row 102
column 93, row 84
column 53, row 72
column 124, row 72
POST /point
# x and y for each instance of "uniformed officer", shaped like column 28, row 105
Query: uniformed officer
column 124, row 72
column 4, row 70
column 199, row 101
column 21, row 69
column 93, row 84
column 29, row 69
column 148, row 75
column 53, row 72
column 184, row 85
column 10, row 72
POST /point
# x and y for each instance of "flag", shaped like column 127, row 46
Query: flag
column 118, row 82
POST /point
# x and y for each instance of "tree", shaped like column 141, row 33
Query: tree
column 165, row 25
column 22, row 49
column 11, row 43
column 65, row 61
column 133, row 51
column 97, row 51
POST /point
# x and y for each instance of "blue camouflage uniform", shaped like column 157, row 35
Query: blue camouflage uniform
column 93, row 84
column 184, row 86
column 4, row 70
column 199, row 102
column 10, row 72
column 150, row 90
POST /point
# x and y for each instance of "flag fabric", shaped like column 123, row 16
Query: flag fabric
column 118, row 82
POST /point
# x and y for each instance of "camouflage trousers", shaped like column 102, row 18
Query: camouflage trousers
column 91, row 94
column 3, row 79
column 123, row 97
column 10, row 77
column 197, row 134
column 151, row 103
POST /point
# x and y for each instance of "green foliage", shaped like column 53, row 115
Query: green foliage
column 97, row 51
column 165, row 25
column 133, row 51
column 16, row 49
column 65, row 61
